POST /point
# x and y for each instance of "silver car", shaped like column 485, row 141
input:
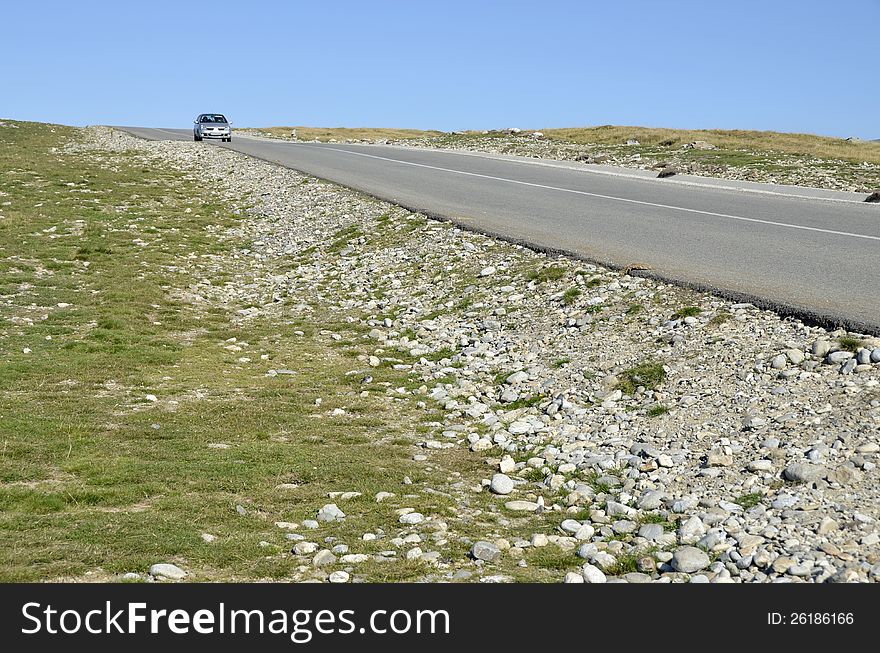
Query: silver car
column 212, row 125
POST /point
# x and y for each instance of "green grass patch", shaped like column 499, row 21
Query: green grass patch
column 749, row 500
column 657, row 410
column 525, row 402
column 545, row 274
column 570, row 296
column 635, row 309
column 848, row 343
column 687, row 311
column 720, row 318
column 649, row 375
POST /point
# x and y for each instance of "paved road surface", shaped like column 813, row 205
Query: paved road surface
column 815, row 254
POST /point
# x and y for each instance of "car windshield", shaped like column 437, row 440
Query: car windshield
column 213, row 117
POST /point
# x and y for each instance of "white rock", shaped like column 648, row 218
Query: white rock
column 167, row 570
column 521, row 506
column 592, row 574
column 330, row 512
column 412, row 518
column 501, row 484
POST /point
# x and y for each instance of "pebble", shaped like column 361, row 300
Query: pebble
column 339, row 577
column 592, row 574
column 501, row 484
column 837, row 357
column 323, row 558
column 485, row 551
column 689, row 559
column 521, row 506
column 804, row 472
column 167, row 570
column 821, row 348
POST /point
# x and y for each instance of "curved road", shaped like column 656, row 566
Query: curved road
column 810, row 253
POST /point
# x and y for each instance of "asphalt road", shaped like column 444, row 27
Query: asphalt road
column 813, row 254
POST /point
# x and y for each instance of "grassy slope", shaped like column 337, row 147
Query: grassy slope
column 822, row 147
column 93, row 474
column 97, row 253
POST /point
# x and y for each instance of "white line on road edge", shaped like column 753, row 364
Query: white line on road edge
column 606, row 197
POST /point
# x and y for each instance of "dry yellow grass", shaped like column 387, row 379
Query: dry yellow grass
column 822, row 147
column 343, row 133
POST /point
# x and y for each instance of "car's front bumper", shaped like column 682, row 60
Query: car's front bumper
column 226, row 134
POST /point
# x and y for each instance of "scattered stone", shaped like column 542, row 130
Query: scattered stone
column 592, row 574
column 572, row 577
column 689, row 559
column 323, row 558
column 719, row 459
column 501, row 484
column 539, row 540
column 804, row 472
column 506, row 465
column 485, row 551
column 304, row 548
column 330, row 512
column 838, row 357
column 167, row 570
column 521, row 506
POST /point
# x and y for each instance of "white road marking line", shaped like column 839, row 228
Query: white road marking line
column 606, row 197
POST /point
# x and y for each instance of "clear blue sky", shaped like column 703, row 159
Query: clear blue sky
column 787, row 65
